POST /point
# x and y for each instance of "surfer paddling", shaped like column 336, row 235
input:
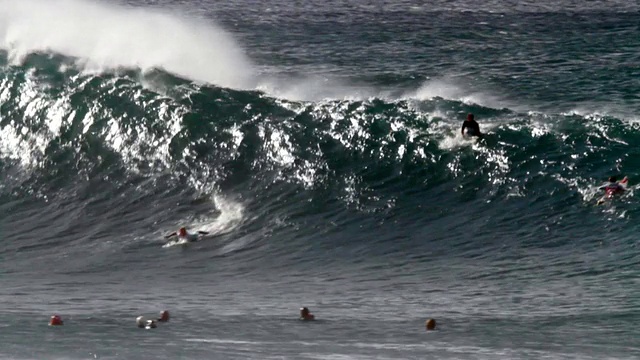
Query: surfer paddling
column 305, row 315
column 183, row 234
column 473, row 129
column 613, row 188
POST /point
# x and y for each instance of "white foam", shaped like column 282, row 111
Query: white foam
column 315, row 88
column 448, row 88
column 456, row 141
column 231, row 215
column 17, row 140
column 438, row 88
column 177, row 242
column 105, row 36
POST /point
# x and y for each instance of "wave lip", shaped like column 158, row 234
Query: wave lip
column 105, row 36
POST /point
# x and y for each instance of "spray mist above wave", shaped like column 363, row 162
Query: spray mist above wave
column 451, row 89
column 104, row 36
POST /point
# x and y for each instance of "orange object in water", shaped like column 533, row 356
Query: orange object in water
column 55, row 321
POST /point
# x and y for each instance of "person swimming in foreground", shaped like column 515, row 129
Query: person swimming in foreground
column 306, row 315
column 473, row 129
column 613, row 188
column 183, row 234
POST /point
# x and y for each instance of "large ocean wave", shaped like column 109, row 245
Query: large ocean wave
column 151, row 130
column 63, row 128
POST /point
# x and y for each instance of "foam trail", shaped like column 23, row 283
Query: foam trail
column 105, row 36
column 231, row 215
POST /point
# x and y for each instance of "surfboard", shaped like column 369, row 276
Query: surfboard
column 624, row 182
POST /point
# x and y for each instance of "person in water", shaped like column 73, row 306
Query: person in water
column 182, row 233
column 613, row 187
column 473, row 129
column 164, row 316
column 306, row 315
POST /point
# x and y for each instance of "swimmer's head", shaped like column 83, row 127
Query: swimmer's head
column 55, row 320
column 306, row 315
column 613, row 179
column 164, row 316
column 182, row 231
column 430, row 324
column 469, row 116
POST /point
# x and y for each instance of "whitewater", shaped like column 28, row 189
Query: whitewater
column 318, row 144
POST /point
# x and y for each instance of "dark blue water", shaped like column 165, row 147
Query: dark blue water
column 318, row 144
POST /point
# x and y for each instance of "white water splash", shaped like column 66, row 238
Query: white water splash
column 105, row 36
column 229, row 215
column 448, row 88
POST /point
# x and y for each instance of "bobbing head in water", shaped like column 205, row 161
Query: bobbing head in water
column 164, row 316
column 305, row 314
column 430, row 324
column 55, row 320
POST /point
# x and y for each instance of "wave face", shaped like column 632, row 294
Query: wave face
column 347, row 187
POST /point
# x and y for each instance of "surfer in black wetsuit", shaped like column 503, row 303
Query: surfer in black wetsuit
column 473, row 129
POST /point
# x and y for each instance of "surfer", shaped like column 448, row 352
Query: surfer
column 306, row 315
column 613, row 187
column 473, row 129
column 183, row 234
column 164, row 316
column 430, row 324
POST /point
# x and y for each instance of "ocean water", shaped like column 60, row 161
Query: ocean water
column 318, row 144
